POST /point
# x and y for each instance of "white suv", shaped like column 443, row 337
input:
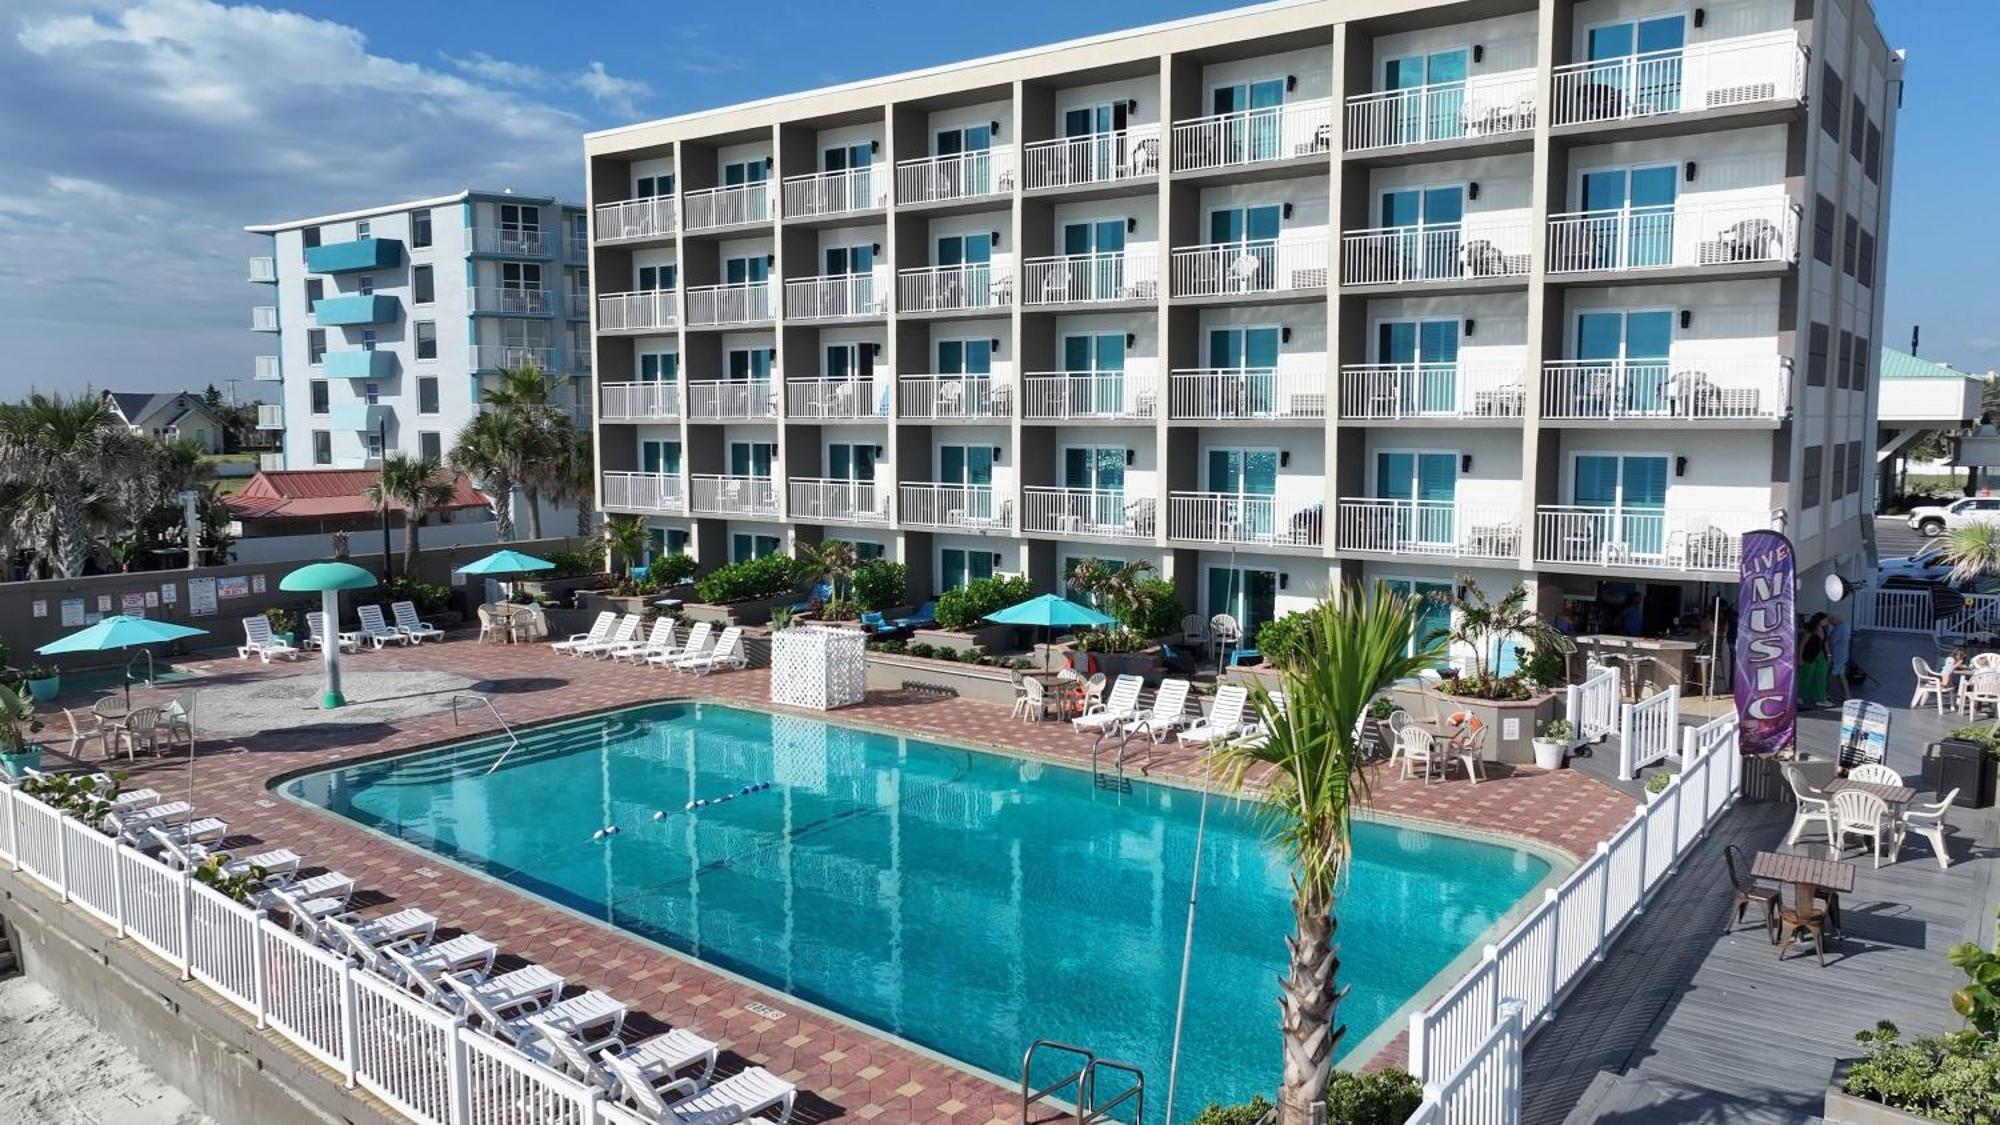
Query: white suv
column 1932, row 521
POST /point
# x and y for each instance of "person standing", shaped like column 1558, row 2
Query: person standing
column 1812, row 662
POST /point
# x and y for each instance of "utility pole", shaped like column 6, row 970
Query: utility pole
column 191, row 526
column 1915, row 331
column 232, row 390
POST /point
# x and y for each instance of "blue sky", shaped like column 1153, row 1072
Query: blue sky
column 160, row 127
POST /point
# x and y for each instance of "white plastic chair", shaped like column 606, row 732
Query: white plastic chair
column 744, row 1094
column 1982, row 688
column 1930, row 684
column 377, row 630
column 626, row 631
column 1114, row 712
column 1034, row 701
column 1399, row 721
column 1224, row 720
column 1928, row 821
column 697, row 642
column 1813, row 807
column 599, row 629
column 317, row 632
column 1856, row 813
column 408, row 623
column 1874, row 773
column 1165, row 717
column 258, row 641
column 1418, row 750
column 659, row 639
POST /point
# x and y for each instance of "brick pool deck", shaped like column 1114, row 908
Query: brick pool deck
column 844, row 1073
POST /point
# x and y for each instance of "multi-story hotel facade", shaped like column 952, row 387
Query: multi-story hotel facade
column 388, row 320
column 1570, row 292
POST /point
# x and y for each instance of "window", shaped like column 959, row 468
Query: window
column 423, row 285
column 319, row 396
column 1832, row 96
column 427, row 394
column 958, row 567
column 1871, row 159
column 1809, row 478
column 363, row 229
column 1837, row 473
column 1864, row 269
column 430, row 445
column 520, row 276
column 322, row 447
column 746, row 171
column 652, row 187
column 371, row 393
column 315, row 346
column 1854, row 466
column 1861, row 354
column 1857, row 129
column 656, row 279
column 743, row 547
column 315, row 292
column 420, row 228
column 1816, row 347
column 375, row 445
column 520, row 218
column 368, row 339
column 367, row 284
column 427, row 339
column 1846, row 359
column 1823, row 229
column 309, row 237
column 1850, row 244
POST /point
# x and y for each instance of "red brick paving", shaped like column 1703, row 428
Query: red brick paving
column 844, row 1073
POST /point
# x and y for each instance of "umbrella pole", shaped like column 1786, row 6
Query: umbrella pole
column 330, row 648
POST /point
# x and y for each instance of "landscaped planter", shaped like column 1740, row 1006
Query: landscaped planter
column 18, row 765
column 756, row 611
column 595, row 602
column 43, row 690
column 559, row 589
column 1145, row 662
column 988, row 684
column 986, row 638
column 1511, row 723
column 1847, row 1109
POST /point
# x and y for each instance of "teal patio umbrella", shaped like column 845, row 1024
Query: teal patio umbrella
column 328, row 579
column 505, row 562
column 1051, row 613
column 122, row 631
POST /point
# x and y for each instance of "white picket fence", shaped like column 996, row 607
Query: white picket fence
column 1648, row 732
column 1894, row 611
column 1592, row 706
column 1981, row 614
column 425, row 1063
column 1466, row 1048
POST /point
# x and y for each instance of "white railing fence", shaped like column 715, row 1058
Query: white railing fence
column 1246, row 392
column 1894, row 611
column 628, row 312
column 953, row 397
column 727, row 206
column 1058, row 396
column 1432, row 390
column 1115, row 275
column 1478, row 247
column 979, row 285
column 1666, row 388
column 836, row 193
column 640, row 400
column 724, row 495
column 1487, row 105
column 1741, row 70
column 1592, row 706
column 1979, row 614
column 1093, row 158
column 1677, row 235
column 1264, row 266
column 646, row 492
column 954, row 505
column 1486, row 1088
column 1248, row 136
column 635, row 218
column 741, row 303
column 1648, row 732
column 961, row 175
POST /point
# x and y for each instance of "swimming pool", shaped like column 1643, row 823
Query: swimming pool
column 967, row 901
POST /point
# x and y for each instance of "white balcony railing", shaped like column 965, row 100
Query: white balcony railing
column 637, row 312
column 837, row 193
column 979, row 285
column 961, row 175
column 510, row 302
column 507, row 357
column 639, row 402
column 836, row 296
column 1476, row 248
column 1058, row 396
column 1681, row 235
column 1119, row 275
column 1228, row 517
column 839, row 501
column 510, row 242
column 1104, row 513
column 1428, row 527
column 270, row 462
column 836, row 399
column 746, row 302
column 1432, row 390
column 270, row 416
column 635, row 219
column 1236, row 268
column 267, row 369
column 955, row 505
column 1216, row 394
column 1744, row 70
column 732, row 398
column 1279, row 132
column 1095, row 158
column 1584, row 535
column 577, row 247
column 264, row 318
column 264, row 269
column 645, row 492
column 725, row 495
column 953, row 398
column 1487, row 105
column 728, row 206
column 1666, row 389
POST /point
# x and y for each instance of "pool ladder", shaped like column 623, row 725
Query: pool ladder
column 513, row 740
column 1084, row 1081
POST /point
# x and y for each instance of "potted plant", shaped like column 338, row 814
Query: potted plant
column 284, row 623
column 1552, row 742
column 44, row 681
column 17, row 724
column 1480, row 630
column 1656, row 784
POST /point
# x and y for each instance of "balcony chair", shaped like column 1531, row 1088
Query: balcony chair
column 1747, row 240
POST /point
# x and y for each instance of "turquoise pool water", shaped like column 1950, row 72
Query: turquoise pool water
column 967, row 901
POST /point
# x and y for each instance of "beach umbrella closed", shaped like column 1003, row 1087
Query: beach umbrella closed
column 1051, row 613
column 121, row 631
column 328, row 579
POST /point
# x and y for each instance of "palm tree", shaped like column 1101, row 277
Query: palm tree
column 577, row 483
column 1112, row 585
column 833, row 562
column 548, row 434
column 624, row 541
column 1482, row 625
column 1310, row 767
column 1972, row 550
column 419, row 486
column 489, row 449
column 65, row 452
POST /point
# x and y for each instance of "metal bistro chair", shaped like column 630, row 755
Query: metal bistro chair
column 1749, row 892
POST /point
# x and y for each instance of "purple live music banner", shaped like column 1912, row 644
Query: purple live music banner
column 1766, row 645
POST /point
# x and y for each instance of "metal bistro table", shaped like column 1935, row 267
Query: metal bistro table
column 1807, row 876
column 1895, row 796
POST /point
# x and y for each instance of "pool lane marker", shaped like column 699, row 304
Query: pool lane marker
column 696, row 805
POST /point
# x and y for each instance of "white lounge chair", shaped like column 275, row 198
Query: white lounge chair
column 133, row 799
column 750, row 1092
column 1812, row 806
column 1118, row 709
column 377, row 630
column 1856, row 813
column 1928, row 821
column 532, row 987
column 1224, row 720
column 727, row 652
column 697, row 642
column 306, row 911
column 506, row 1017
column 407, row 925
column 259, row 642
column 659, row 639
column 466, row 953
column 599, row 629
column 1165, row 718
column 317, row 632
column 326, row 887
column 412, row 626
column 641, row 1065
column 279, row 865
column 625, row 632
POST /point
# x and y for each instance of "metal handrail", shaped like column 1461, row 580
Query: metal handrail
column 1081, row 1079
column 513, row 740
column 1136, row 1093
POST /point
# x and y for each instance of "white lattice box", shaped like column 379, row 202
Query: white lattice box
column 818, row 667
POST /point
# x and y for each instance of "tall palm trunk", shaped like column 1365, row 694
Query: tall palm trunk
column 584, row 512
column 1307, row 1003
column 534, row 497
column 72, row 533
column 410, row 524
column 502, row 490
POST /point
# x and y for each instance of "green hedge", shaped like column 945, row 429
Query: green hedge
column 749, row 580
column 966, row 607
column 1280, row 637
column 672, row 570
column 1382, row 1097
column 879, row 584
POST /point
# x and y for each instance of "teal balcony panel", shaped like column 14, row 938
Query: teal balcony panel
column 359, row 365
column 335, row 312
column 360, row 254
column 358, row 416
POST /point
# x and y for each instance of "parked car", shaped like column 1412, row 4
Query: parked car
column 1926, row 565
column 1932, row 521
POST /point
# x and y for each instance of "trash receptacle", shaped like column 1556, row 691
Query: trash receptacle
column 1962, row 765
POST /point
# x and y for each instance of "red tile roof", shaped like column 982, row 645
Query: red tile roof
column 311, row 493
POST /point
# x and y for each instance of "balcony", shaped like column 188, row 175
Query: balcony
column 735, row 205
column 270, row 417
column 1701, row 77
column 836, row 399
column 747, row 302
column 711, row 400
column 1686, row 235
column 1082, row 279
column 1100, row 396
column 839, row 501
column 836, row 297
column 1410, row 391
column 1685, row 390
column 722, row 495
column 1235, row 518
column 268, row 370
column 961, row 175
column 511, row 242
column 1210, row 394
column 1250, row 269
column 1479, row 108
column 954, row 398
column 270, row 462
column 489, row 300
column 970, row 506
column 358, row 256
column 1095, row 158
column 360, row 417
column 644, row 311
column 634, row 220
column 1254, row 136
column 845, row 192
column 639, row 402
column 1476, row 250
column 576, row 304
column 362, row 308
column 576, row 247
column 509, row 357
column 264, row 270
column 1093, row 512
column 1647, row 539
column 264, row 318
column 945, row 289
column 645, row 492
column 359, row 363
column 1442, row 528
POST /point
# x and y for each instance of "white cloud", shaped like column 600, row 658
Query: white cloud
column 617, row 94
column 481, row 65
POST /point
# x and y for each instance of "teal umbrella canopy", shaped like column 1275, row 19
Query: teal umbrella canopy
column 120, row 631
column 506, row 562
column 1050, row 612
column 324, row 576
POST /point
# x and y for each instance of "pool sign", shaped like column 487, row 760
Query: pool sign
column 1766, row 645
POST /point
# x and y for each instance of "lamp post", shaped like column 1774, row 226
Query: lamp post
column 191, row 525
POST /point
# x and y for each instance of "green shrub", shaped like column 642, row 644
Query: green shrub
column 1658, row 782
column 1544, row 666
column 750, row 579
column 1954, row 1078
column 672, row 570
column 966, row 607
column 920, row 649
column 945, row 653
column 1984, row 736
column 879, row 584
column 895, row 646
column 575, row 564
column 1279, row 638
column 1378, row 1097
column 428, row 598
column 1250, row 1113
column 1156, row 610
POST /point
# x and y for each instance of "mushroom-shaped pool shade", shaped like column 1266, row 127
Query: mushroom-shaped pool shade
column 328, row 579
